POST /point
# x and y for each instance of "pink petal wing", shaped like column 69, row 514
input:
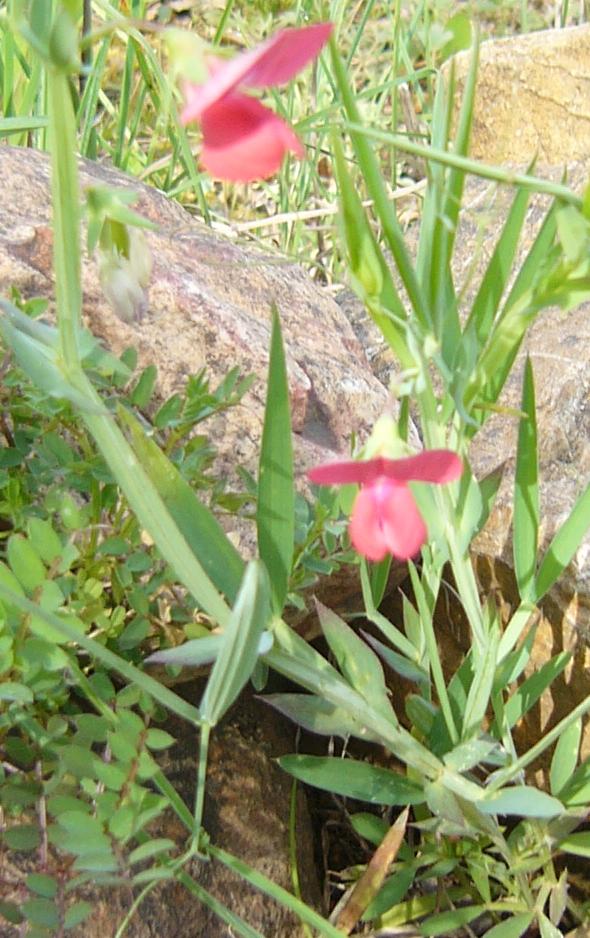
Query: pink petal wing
column 272, row 63
column 432, row 465
column 243, row 140
column 343, row 472
column 386, row 520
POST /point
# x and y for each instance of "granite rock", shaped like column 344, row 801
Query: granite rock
column 532, row 98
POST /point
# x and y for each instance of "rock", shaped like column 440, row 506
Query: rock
column 209, row 304
column 246, row 813
column 532, row 97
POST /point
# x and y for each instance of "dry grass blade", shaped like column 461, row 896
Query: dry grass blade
column 372, row 879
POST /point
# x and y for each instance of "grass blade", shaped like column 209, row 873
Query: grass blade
column 564, row 545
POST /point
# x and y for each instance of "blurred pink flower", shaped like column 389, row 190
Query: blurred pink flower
column 385, row 518
column 242, row 139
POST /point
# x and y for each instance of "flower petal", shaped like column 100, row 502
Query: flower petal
column 434, row 465
column 274, row 62
column 243, row 140
column 385, row 520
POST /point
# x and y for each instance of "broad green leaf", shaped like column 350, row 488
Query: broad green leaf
column 42, row 912
column 318, row 715
column 353, row 779
column 42, row 885
column 25, row 563
column 359, row 665
column 238, row 654
column 526, row 492
column 522, row 800
column 275, row 512
column 565, row 757
column 77, row 913
column 45, row 539
column 577, row 843
column 201, row 530
column 512, row 927
column 16, row 693
column 564, row 545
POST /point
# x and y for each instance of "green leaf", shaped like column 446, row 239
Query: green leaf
column 446, row 922
column 45, row 539
column 577, row 843
column 143, row 390
column 563, row 545
column 17, row 693
column 359, row 665
column 201, row 530
column 275, row 513
column 76, row 914
column 565, row 757
column 25, row 562
column 41, row 912
column 407, row 669
column 353, row 779
column 235, row 662
column 546, row 927
column 526, row 492
column 42, row 885
column 522, row 800
column 530, row 690
column 318, row 715
column 480, row 690
column 512, row 927
column 22, row 837
column 150, row 849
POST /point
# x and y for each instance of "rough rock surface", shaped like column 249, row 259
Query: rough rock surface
column 209, row 305
column 532, row 97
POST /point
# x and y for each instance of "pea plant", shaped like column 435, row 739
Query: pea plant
column 79, row 608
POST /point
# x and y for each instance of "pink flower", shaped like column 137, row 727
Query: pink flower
column 385, row 518
column 242, row 139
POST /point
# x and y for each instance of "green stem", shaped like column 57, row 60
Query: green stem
column 65, row 188
column 495, row 173
column 201, row 780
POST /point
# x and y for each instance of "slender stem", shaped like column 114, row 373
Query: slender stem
column 495, row 173
column 201, row 780
column 66, row 217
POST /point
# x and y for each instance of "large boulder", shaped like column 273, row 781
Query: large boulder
column 532, row 97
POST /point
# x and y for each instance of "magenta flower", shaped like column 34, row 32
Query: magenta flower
column 242, row 139
column 385, row 518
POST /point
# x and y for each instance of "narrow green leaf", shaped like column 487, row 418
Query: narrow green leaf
column 318, row 715
column 564, row 545
column 353, row 779
column 565, row 757
column 150, row 849
column 522, row 800
column 487, row 301
column 526, row 492
column 577, row 843
column 512, row 927
column 201, row 530
column 19, row 125
column 480, row 690
column 275, row 515
column 359, row 665
column 407, row 669
column 446, row 922
column 235, row 662
column 530, row 690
